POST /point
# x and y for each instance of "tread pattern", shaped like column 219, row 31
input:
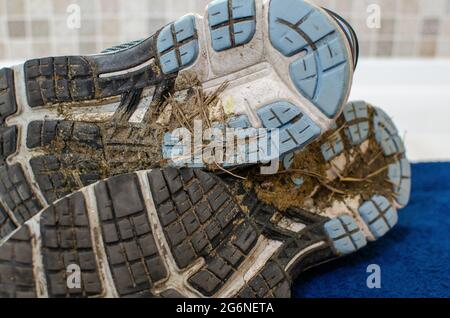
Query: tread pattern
column 8, row 107
column 362, row 120
column 7, row 225
column 232, row 23
column 16, row 196
column 16, row 193
column 8, row 104
column 16, row 267
column 379, row 215
column 59, row 79
column 66, row 240
column 314, row 232
column 42, row 133
column 399, row 173
column 133, row 255
column 400, row 176
column 177, row 45
column 345, row 234
column 201, row 220
column 8, row 142
column 58, row 175
column 357, row 116
column 270, row 282
column 66, row 79
column 332, row 148
column 322, row 74
column 296, row 129
column 387, row 134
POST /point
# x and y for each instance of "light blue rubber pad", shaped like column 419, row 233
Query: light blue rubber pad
column 177, row 45
column 356, row 115
column 298, row 181
column 399, row 174
column 288, row 160
column 232, row 23
column 296, row 130
column 333, row 148
column 345, row 235
column 386, row 134
column 240, row 122
column 322, row 73
column 379, row 215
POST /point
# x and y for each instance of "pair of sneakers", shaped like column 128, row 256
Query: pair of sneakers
column 217, row 158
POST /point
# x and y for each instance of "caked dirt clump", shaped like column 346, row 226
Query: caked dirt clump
column 361, row 171
column 123, row 147
column 115, row 145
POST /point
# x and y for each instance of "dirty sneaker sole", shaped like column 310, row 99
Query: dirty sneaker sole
column 292, row 47
column 170, row 233
column 360, row 168
column 199, row 216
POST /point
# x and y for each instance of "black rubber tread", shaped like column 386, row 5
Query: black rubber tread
column 133, row 255
column 16, row 193
column 16, row 267
column 270, row 282
column 70, row 155
column 314, row 233
column 54, row 183
column 201, row 219
column 43, row 133
column 7, row 225
column 66, row 79
column 8, row 142
column 171, row 293
column 66, row 240
column 8, row 104
column 60, row 174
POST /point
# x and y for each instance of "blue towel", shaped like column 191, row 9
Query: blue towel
column 414, row 257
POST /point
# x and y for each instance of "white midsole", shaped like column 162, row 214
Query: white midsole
column 237, row 64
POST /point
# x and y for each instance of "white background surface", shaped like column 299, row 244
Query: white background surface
column 415, row 93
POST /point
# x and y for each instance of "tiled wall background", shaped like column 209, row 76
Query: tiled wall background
column 32, row 28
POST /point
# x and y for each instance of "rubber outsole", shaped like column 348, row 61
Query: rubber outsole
column 160, row 233
column 18, row 203
column 359, row 125
column 321, row 73
column 103, row 89
column 175, row 233
column 359, row 122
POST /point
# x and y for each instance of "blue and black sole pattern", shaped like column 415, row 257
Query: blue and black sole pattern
column 122, row 73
